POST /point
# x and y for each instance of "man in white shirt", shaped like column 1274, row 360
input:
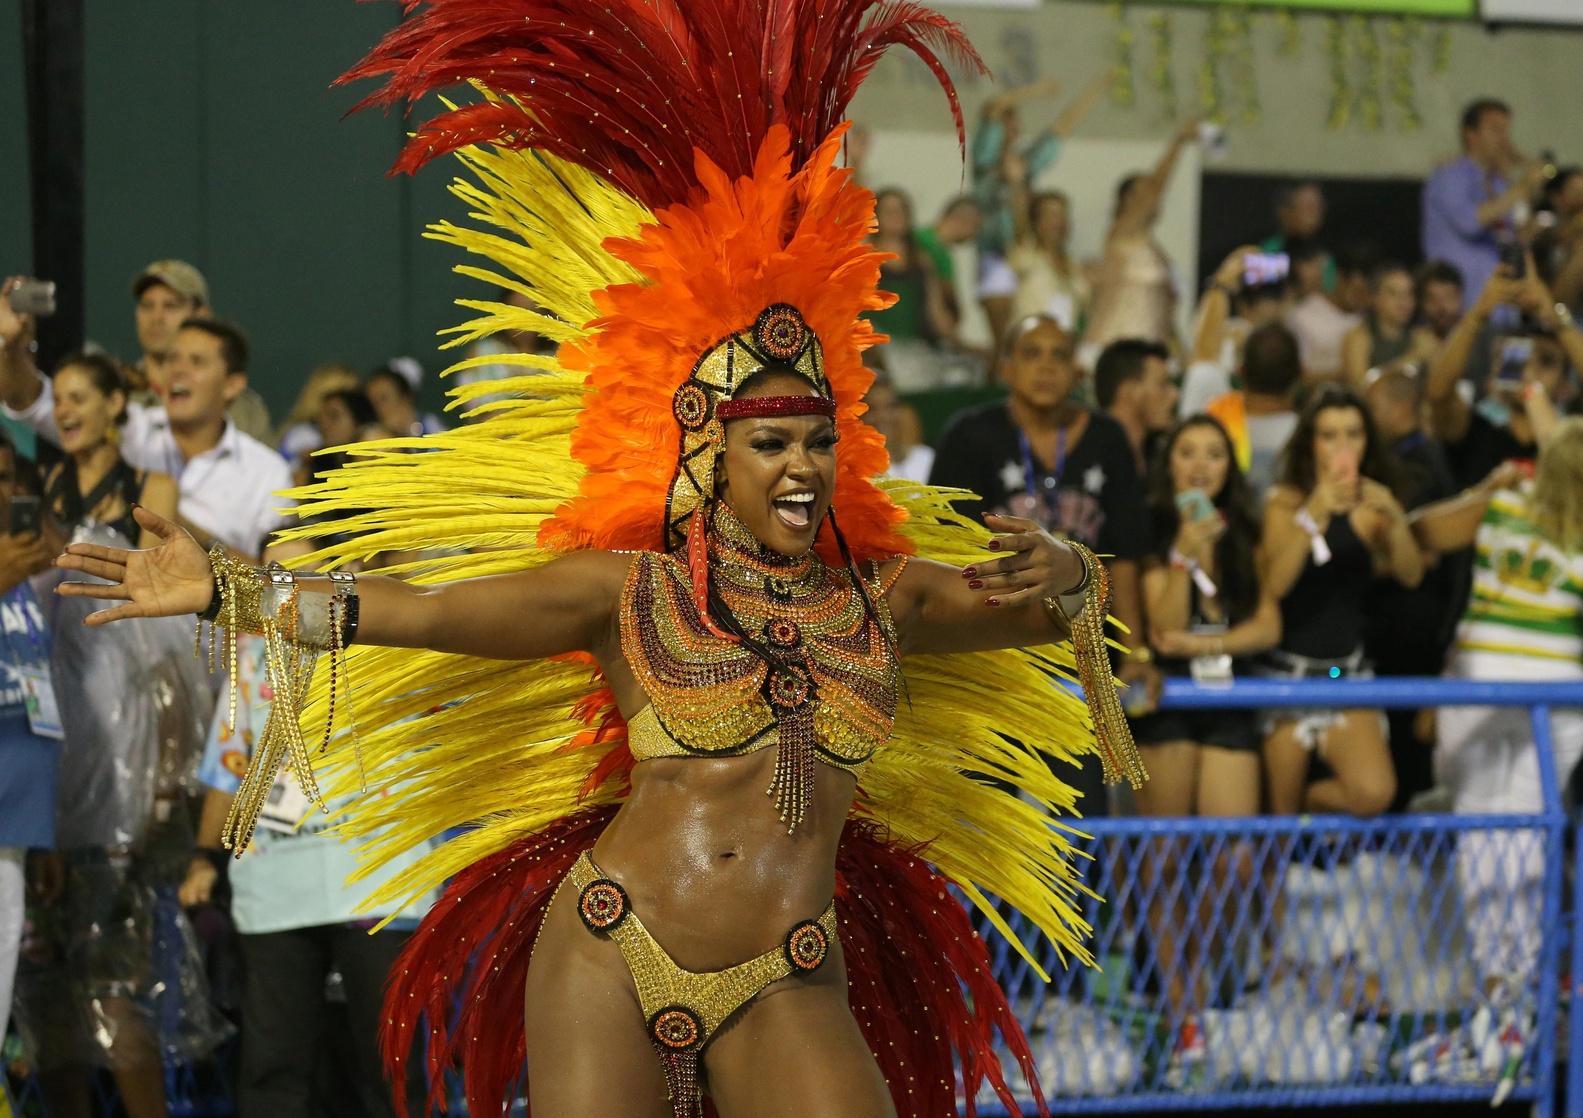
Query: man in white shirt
column 228, row 480
column 168, row 293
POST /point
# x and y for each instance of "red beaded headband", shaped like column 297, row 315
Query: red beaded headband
column 764, row 407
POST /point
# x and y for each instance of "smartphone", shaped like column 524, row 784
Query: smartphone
column 1344, row 466
column 1510, row 361
column 1194, row 504
column 1515, row 257
column 1213, row 138
column 33, row 296
column 27, row 516
column 1262, row 268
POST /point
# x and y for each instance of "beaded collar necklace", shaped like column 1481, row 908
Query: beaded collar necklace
column 743, row 563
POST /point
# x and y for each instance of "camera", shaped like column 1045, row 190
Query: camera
column 33, row 296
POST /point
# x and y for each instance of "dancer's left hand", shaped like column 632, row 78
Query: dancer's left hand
column 1030, row 564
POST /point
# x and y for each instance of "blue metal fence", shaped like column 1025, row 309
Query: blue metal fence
column 1321, row 960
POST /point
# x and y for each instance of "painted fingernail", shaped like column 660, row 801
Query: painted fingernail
column 993, row 602
column 994, row 545
column 970, row 572
column 976, row 584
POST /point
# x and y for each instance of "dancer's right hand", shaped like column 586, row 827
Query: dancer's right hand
column 165, row 581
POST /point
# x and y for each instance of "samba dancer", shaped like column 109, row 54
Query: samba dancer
column 791, row 953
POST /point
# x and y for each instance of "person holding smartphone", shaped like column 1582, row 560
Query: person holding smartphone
column 1207, row 612
column 1332, row 526
column 1530, row 378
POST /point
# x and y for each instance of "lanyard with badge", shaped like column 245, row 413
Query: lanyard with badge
column 1041, row 507
column 38, row 688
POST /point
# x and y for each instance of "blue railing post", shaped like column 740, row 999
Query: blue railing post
column 1550, row 957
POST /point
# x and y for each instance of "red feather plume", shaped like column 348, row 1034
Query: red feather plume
column 629, row 88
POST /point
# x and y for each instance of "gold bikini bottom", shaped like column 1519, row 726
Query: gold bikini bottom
column 681, row 1008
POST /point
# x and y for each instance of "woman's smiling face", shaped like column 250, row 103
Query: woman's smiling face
column 777, row 474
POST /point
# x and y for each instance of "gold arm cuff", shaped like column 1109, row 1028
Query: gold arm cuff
column 296, row 627
column 1111, row 732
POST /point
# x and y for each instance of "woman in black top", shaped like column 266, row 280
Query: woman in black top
column 1332, row 525
column 93, row 484
column 1201, row 591
column 1206, row 609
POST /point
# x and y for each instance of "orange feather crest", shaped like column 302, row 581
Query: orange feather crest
column 713, row 264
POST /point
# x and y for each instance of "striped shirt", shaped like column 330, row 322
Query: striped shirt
column 1527, row 595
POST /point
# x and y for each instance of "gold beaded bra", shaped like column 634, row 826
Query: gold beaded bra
column 808, row 671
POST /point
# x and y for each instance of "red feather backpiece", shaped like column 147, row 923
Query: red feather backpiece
column 918, row 976
column 629, row 88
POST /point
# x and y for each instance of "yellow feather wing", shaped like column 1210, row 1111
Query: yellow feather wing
column 500, row 750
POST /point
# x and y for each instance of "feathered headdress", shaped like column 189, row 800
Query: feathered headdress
column 635, row 90
column 657, row 176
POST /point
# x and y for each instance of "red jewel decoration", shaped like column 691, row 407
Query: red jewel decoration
column 602, row 904
column 769, row 407
column 780, row 332
column 675, row 1027
column 782, row 632
column 691, row 406
column 807, row 944
column 790, row 686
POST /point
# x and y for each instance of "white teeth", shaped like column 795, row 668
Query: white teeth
column 804, row 498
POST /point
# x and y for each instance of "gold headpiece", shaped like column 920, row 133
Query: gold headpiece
column 778, row 338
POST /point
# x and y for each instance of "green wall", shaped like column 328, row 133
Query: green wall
column 213, row 135
column 15, row 242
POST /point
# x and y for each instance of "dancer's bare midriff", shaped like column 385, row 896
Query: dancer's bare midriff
column 707, row 862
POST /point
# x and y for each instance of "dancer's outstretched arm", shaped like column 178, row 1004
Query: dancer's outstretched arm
column 995, row 603
column 567, row 605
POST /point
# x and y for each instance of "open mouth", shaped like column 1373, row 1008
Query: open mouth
column 178, row 392
column 795, row 510
column 69, row 426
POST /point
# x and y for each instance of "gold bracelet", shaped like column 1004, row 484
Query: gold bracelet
column 1052, row 604
column 1112, row 735
column 1088, row 573
column 240, row 588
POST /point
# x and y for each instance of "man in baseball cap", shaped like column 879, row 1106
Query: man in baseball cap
column 168, row 292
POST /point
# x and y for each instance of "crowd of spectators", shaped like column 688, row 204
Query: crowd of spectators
column 112, row 800
column 1350, row 466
